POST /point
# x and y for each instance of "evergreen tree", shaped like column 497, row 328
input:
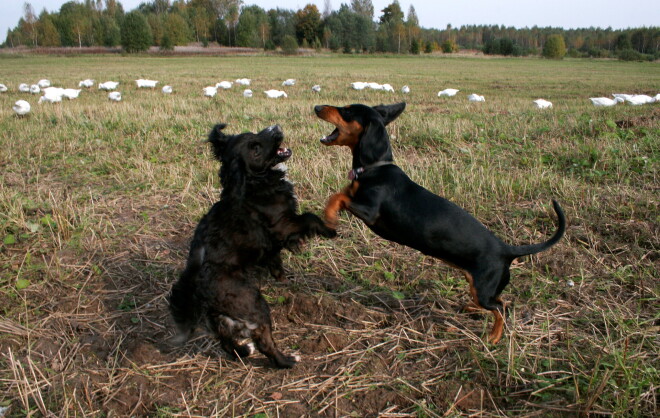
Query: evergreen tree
column 177, row 29
column 166, row 43
column 363, row 7
column 414, row 46
column 555, row 47
column 289, row 45
column 111, row 31
column 250, row 29
column 135, row 33
column 282, row 23
column 449, row 46
column 392, row 13
column 48, row 35
column 623, row 42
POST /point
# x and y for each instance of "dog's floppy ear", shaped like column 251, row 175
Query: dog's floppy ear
column 218, row 140
column 232, row 178
column 390, row 112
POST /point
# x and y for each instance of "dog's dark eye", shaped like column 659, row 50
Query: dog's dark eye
column 255, row 147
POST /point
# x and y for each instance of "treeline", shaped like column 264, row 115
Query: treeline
column 349, row 29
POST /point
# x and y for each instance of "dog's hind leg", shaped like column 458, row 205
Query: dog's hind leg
column 184, row 305
column 263, row 338
column 276, row 269
column 483, row 289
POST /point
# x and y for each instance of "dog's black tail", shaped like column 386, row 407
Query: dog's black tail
column 184, row 306
column 520, row 250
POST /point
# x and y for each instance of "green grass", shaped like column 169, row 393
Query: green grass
column 99, row 199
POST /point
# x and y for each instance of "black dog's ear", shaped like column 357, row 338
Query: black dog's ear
column 232, row 178
column 390, row 112
column 218, row 140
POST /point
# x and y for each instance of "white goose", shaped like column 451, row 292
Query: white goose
column 34, row 89
column 54, row 91
column 225, row 85
column 359, row 85
column 405, row 89
column 108, row 85
column 543, row 104
column 3, row 88
column 115, row 96
column 43, row 83
column 623, row 96
column 316, row 88
column 605, row 101
column 150, row 84
column 289, row 82
column 247, row 93
column 476, row 98
column 639, row 99
column 388, row 87
column 23, row 88
column 210, row 91
column 71, row 93
column 21, row 108
column 448, row 93
column 275, row 94
column 86, row 83
column 51, row 95
column 167, row 89
column 243, row 81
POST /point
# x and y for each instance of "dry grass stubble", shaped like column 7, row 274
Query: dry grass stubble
column 101, row 199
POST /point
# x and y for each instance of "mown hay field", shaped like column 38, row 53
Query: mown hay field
column 98, row 201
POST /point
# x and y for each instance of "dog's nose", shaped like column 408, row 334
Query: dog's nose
column 318, row 108
column 275, row 129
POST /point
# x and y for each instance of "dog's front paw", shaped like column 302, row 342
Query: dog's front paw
column 286, row 362
column 294, row 244
column 244, row 350
column 328, row 232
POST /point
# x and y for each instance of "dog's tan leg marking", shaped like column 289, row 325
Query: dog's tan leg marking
column 496, row 332
column 337, row 203
column 498, row 328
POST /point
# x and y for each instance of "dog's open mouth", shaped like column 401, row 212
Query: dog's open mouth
column 284, row 153
column 330, row 138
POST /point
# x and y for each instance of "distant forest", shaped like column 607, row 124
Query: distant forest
column 350, row 29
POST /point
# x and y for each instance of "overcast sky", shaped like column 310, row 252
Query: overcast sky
column 438, row 13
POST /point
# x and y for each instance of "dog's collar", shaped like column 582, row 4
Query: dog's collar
column 355, row 173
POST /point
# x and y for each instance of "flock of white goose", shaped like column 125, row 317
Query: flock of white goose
column 211, row 91
column 52, row 94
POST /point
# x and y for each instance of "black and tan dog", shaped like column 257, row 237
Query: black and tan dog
column 254, row 220
column 398, row 209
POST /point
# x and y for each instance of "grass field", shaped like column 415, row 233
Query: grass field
column 98, row 201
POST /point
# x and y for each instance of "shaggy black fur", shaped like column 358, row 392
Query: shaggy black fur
column 254, row 220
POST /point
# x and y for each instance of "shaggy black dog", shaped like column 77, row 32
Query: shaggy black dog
column 254, row 220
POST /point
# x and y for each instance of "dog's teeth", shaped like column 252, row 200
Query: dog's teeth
column 296, row 357
column 251, row 348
